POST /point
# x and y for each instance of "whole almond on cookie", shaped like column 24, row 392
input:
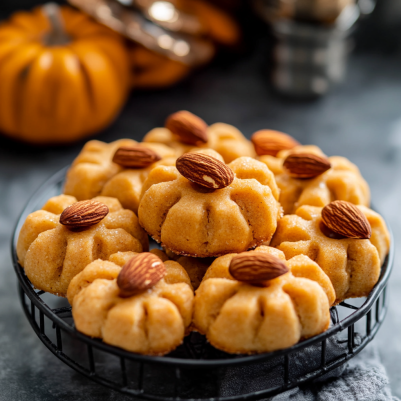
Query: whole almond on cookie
column 347, row 220
column 306, row 165
column 135, row 157
column 269, row 142
column 140, row 273
column 257, row 267
column 205, row 170
column 84, row 214
column 190, row 129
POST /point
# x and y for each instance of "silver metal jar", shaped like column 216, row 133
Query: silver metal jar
column 310, row 57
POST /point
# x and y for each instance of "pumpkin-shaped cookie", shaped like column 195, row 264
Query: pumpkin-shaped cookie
column 257, row 302
column 116, row 169
column 53, row 253
column 352, row 264
column 184, row 132
column 229, row 142
column 341, row 181
column 144, row 306
column 63, row 76
column 193, row 220
column 195, row 267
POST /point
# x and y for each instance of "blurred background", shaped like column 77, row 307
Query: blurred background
column 327, row 72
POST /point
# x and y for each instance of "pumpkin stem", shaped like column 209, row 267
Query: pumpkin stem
column 57, row 36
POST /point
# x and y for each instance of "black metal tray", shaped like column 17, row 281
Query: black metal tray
column 196, row 370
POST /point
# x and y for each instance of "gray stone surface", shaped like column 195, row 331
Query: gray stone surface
column 360, row 120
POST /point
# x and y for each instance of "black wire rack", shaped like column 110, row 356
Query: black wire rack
column 196, row 370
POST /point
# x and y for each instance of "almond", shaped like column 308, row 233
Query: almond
column 205, row 170
column 257, row 268
column 135, row 157
column 84, row 214
column 347, row 220
column 140, row 273
column 190, row 129
column 306, row 165
column 269, row 142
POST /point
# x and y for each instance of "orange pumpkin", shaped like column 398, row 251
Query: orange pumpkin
column 63, row 76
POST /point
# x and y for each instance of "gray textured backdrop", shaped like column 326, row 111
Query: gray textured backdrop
column 360, row 120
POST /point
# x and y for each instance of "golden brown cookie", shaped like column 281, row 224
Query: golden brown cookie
column 353, row 265
column 151, row 322
column 223, row 138
column 94, row 173
column 195, row 221
column 195, row 267
column 342, row 181
column 229, row 142
column 52, row 254
column 239, row 317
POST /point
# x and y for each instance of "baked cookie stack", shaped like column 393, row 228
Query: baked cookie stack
column 259, row 239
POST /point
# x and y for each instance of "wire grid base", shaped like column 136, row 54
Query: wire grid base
column 196, row 370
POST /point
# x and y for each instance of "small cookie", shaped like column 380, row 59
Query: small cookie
column 96, row 171
column 353, row 265
column 257, row 302
column 151, row 319
column 342, row 181
column 185, row 132
column 53, row 254
column 195, row 267
column 193, row 220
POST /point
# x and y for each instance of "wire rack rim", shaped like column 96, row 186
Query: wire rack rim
column 254, row 396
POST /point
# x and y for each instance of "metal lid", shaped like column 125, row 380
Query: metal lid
column 130, row 22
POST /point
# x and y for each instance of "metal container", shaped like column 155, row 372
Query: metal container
column 310, row 56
